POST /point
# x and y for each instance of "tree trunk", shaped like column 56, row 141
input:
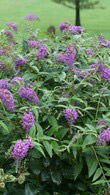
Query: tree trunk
column 77, row 9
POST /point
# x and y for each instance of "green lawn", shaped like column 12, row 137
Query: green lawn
column 95, row 21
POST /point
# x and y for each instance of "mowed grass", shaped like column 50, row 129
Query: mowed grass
column 95, row 20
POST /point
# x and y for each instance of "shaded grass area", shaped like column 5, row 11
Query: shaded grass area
column 95, row 20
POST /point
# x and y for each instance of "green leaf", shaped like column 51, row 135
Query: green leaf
column 5, row 128
column 32, row 132
column 101, row 181
column 48, row 148
column 90, row 139
column 39, row 148
column 97, row 174
column 39, row 130
column 28, row 191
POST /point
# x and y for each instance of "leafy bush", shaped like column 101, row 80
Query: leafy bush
column 54, row 113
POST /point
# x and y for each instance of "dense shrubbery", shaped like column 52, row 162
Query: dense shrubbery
column 54, row 112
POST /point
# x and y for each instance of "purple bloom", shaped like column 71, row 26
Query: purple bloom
column 31, row 17
column 8, row 33
column 70, row 55
column 64, row 26
column 102, row 123
column 106, row 73
column 81, row 73
column 76, row 30
column 12, row 25
column 89, row 52
column 42, row 52
column 33, row 44
column 29, row 94
column 104, row 136
column 4, row 83
column 71, row 115
column 7, row 98
column 105, row 43
column 20, row 61
column 28, row 121
column 17, row 80
column 21, row 148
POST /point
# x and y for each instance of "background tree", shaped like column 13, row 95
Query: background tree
column 78, row 5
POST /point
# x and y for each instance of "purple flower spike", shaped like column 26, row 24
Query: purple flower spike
column 31, row 17
column 104, row 136
column 4, row 83
column 42, row 52
column 17, row 80
column 28, row 121
column 71, row 115
column 64, row 26
column 33, row 44
column 21, row 148
column 29, row 94
column 12, row 25
column 20, row 61
column 90, row 52
column 8, row 33
column 7, row 98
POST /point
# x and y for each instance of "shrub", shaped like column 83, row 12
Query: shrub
column 54, row 116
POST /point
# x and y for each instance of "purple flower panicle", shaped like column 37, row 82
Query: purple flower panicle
column 20, row 61
column 28, row 121
column 64, row 26
column 12, row 25
column 104, row 136
column 17, row 80
column 71, row 115
column 42, row 52
column 7, row 98
column 8, row 33
column 31, row 17
column 89, row 52
column 29, row 94
column 33, row 44
column 4, row 83
column 21, row 148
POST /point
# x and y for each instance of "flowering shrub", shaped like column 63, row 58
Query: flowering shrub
column 54, row 112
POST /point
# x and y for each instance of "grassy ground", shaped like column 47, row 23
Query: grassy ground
column 95, row 21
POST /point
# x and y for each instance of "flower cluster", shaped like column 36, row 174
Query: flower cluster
column 104, row 43
column 28, row 120
column 1, row 52
column 64, row 26
column 8, row 33
column 17, row 80
column 20, row 61
column 33, row 44
column 67, row 27
column 21, row 148
column 42, row 52
column 7, row 97
column 68, row 57
column 4, row 83
column 104, row 136
column 31, row 17
column 71, row 115
column 12, row 25
column 89, row 52
column 29, row 94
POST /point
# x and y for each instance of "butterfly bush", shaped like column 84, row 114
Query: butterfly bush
column 28, row 121
column 29, row 94
column 59, row 91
